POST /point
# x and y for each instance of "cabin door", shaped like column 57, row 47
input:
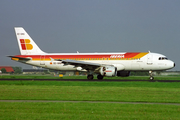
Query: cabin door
column 149, row 59
column 42, row 60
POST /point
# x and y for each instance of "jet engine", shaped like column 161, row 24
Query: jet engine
column 108, row 71
column 123, row 73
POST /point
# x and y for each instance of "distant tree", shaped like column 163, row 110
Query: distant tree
column 46, row 72
column 3, row 70
column 159, row 72
column 17, row 70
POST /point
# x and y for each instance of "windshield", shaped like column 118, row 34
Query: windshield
column 163, row 58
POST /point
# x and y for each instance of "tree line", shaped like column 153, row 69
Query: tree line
column 17, row 70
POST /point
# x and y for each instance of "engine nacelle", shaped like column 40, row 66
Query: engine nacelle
column 108, row 71
column 123, row 73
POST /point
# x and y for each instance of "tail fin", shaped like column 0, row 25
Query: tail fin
column 26, row 44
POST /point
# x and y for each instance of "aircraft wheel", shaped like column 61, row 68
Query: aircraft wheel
column 151, row 75
column 151, row 78
column 90, row 77
column 99, row 77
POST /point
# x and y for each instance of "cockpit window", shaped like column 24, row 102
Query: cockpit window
column 163, row 58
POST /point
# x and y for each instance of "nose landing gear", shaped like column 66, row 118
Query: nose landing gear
column 151, row 76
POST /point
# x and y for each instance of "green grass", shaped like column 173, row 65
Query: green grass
column 148, row 92
column 84, row 77
column 87, row 111
column 80, row 93
column 95, row 91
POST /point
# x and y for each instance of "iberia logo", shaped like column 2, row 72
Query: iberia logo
column 25, row 44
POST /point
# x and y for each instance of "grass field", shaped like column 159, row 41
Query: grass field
column 87, row 111
column 146, row 92
column 85, row 77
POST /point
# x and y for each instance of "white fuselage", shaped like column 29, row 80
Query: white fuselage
column 149, row 62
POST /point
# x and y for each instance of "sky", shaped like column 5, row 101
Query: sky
column 68, row 26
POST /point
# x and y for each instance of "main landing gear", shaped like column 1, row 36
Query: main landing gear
column 151, row 76
column 90, row 77
column 100, row 77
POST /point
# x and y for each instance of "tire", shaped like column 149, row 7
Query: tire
column 151, row 78
column 90, row 77
column 99, row 77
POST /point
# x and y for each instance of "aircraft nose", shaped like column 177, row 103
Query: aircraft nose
column 172, row 64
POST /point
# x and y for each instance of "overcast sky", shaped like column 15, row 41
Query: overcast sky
column 92, row 26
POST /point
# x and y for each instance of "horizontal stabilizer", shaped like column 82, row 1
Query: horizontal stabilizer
column 19, row 58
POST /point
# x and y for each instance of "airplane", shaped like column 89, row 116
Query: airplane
column 103, row 64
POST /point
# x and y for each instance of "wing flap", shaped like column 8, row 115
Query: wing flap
column 84, row 65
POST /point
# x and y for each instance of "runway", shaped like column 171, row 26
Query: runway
column 95, row 80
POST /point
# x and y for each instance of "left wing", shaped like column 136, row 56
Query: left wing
column 82, row 64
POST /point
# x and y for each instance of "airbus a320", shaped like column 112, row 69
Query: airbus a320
column 103, row 64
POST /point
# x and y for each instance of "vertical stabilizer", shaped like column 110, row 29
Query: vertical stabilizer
column 26, row 44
